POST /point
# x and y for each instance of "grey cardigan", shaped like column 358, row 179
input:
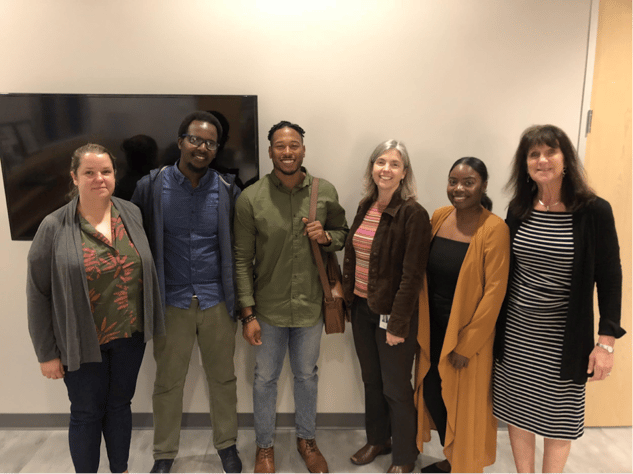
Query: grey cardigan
column 60, row 320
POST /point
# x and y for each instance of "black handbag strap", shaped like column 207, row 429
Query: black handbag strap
column 316, row 251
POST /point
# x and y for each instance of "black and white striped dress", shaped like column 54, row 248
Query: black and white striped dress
column 528, row 392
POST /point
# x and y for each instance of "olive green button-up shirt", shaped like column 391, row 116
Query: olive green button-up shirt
column 275, row 269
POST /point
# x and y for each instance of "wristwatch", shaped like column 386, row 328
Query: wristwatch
column 609, row 349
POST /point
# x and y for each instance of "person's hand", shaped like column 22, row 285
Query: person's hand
column 393, row 340
column 457, row 361
column 53, row 369
column 600, row 363
column 314, row 231
column 252, row 332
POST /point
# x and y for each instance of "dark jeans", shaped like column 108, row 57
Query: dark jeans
column 386, row 372
column 100, row 396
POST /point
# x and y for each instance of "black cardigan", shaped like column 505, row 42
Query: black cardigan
column 596, row 260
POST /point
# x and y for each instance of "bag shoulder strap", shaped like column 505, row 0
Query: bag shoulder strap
column 316, row 251
column 313, row 199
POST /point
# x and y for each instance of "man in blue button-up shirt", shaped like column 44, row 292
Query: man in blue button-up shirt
column 188, row 211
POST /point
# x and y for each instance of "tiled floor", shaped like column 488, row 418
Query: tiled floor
column 599, row 450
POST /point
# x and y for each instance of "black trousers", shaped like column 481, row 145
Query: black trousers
column 434, row 401
column 386, row 372
column 432, row 384
column 100, row 396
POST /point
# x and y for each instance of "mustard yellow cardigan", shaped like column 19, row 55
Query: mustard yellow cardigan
column 471, row 431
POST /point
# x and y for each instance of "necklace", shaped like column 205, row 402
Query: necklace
column 547, row 207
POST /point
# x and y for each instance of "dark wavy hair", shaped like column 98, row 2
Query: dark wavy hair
column 480, row 167
column 575, row 191
column 285, row 124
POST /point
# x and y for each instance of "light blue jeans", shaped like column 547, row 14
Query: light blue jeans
column 303, row 345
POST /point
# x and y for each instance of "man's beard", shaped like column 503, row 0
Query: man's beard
column 288, row 173
column 195, row 169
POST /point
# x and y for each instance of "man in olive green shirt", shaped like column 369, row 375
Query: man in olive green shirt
column 279, row 289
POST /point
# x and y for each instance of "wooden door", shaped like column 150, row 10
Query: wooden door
column 608, row 165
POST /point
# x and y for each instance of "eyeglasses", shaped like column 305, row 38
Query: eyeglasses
column 197, row 141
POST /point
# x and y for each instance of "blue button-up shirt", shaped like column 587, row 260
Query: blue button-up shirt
column 192, row 253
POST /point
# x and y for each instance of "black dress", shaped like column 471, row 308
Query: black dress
column 445, row 262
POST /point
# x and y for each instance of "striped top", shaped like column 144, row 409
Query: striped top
column 528, row 392
column 544, row 251
column 362, row 241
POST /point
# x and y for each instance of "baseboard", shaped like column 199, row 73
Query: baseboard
column 189, row 420
column 52, row 421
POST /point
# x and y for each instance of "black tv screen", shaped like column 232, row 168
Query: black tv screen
column 39, row 132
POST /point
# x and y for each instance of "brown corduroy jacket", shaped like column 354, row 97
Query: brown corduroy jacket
column 397, row 262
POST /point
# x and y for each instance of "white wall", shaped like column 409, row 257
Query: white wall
column 450, row 78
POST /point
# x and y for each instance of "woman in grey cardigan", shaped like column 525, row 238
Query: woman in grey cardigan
column 91, row 294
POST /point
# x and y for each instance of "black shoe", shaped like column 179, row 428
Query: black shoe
column 433, row 468
column 162, row 465
column 231, row 462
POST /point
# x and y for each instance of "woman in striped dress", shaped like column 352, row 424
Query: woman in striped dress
column 563, row 242
column 385, row 261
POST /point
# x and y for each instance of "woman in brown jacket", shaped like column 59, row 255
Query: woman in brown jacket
column 467, row 277
column 385, row 259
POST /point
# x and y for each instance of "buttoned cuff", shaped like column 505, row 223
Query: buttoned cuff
column 246, row 301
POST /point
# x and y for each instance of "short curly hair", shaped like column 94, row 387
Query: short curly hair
column 285, row 124
column 201, row 116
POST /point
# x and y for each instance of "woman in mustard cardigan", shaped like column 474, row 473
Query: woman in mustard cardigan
column 465, row 285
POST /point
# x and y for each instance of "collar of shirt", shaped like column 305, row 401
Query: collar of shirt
column 392, row 208
column 307, row 181
column 181, row 178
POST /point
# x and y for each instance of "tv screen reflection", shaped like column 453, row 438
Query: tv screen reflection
column 39, row 132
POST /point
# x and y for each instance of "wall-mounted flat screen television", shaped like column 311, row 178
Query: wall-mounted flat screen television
column 39, row 132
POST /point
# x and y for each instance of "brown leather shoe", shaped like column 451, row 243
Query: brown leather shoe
column 405, row 468
column 315, row 462
column 265, row 460
column 368, row 453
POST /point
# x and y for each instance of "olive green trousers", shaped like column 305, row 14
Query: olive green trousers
column 215, row 331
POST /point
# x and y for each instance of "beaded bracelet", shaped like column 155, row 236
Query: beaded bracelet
column 248, row 319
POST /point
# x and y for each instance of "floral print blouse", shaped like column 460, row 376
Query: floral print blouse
column 114, row 275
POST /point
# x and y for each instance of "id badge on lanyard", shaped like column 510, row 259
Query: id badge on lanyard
column 384, row 319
